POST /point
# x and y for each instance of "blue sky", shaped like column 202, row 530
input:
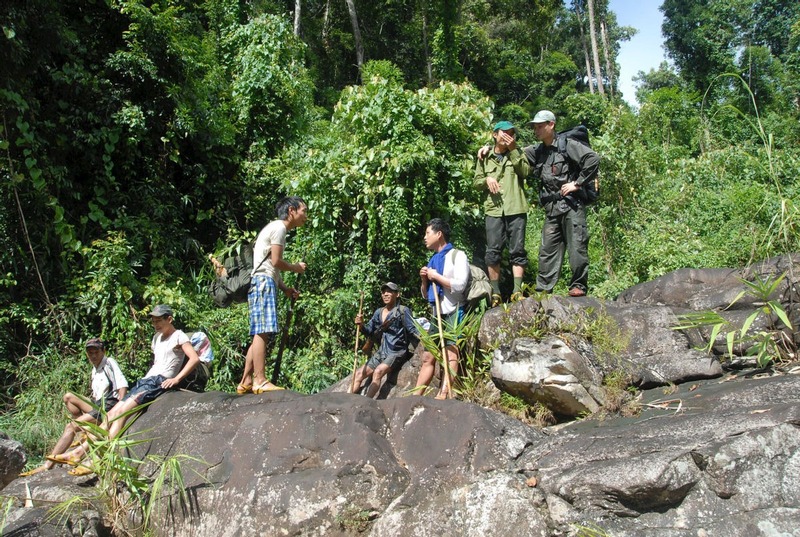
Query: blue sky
column 644, row 51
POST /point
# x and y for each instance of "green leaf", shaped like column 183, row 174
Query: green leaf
column 748, row 322
column 730, row 340
column 777, row 309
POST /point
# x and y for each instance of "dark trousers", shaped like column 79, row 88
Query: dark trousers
column 510, row 230
column 568, row 232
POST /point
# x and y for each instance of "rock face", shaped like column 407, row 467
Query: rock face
column 640, row 340
column 12, row 459
column 721, row 457
column 713, row 453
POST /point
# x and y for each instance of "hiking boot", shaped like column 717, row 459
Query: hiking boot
column 577, row 291
column 496, row 300
column 516, row 297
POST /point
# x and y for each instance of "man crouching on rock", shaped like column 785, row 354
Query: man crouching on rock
column 394, row 328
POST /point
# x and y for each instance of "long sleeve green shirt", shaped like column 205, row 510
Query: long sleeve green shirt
column 510, row 172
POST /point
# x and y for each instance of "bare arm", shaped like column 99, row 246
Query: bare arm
column 276, row 254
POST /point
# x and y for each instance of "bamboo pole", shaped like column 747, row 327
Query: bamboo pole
column 355, row 350
column 276, row 368
column 442, row 342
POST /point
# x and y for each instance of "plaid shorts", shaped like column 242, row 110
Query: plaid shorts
column 263, row 305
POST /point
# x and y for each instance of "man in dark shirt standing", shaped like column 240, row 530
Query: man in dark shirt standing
column 562, row 178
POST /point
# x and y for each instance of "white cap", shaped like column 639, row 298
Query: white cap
column 543, row 116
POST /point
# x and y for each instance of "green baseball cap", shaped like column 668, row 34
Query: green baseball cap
column 504, row 126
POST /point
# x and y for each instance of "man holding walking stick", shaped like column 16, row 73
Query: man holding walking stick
column 393, row 329
column 444, row 282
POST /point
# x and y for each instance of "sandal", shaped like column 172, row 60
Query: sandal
column 242, row 389
column 34, row 471
column 78, row 440
column 63, row 459
column 266, row 386
column 80, row 471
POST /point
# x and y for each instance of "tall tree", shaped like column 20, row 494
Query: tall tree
column 351, row 9
column 607, row 56
column 585, row 47
column 595, row 53
column 701, row 37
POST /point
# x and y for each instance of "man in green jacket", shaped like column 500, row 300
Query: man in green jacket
column 501, row 175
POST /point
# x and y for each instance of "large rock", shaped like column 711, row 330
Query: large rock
column 722, row 459
column 12, row 459
column 649, row 351
column 716, row 458
column 717, row 289
column 705, row 457
column 550, row 373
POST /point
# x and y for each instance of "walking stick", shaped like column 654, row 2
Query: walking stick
column 355, row 351
column 441, row 341
column 276, row 368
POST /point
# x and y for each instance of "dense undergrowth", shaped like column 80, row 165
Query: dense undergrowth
column 190, row 125
column 661, row 209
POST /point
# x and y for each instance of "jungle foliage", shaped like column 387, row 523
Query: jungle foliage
column 137, row 137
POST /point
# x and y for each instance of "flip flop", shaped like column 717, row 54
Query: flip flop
column 78, row 440
column 80, row 471
column 266, row 387
column 242, row 389
column 62, row 459
column 34, row 471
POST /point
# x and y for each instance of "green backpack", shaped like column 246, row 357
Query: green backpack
column 235, row 285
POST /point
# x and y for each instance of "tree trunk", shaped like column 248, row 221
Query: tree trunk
column 595, row 55
column 607, row 54
column 325, row 28
column 428, row 65
column 297, row 17
column 351, row 7
column 585, row 49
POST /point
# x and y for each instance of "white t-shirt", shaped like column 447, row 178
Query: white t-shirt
column 273, row 233
column 168, row 354
column 107, row 376
column 456, row 269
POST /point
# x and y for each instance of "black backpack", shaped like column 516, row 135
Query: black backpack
column 590, row 190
